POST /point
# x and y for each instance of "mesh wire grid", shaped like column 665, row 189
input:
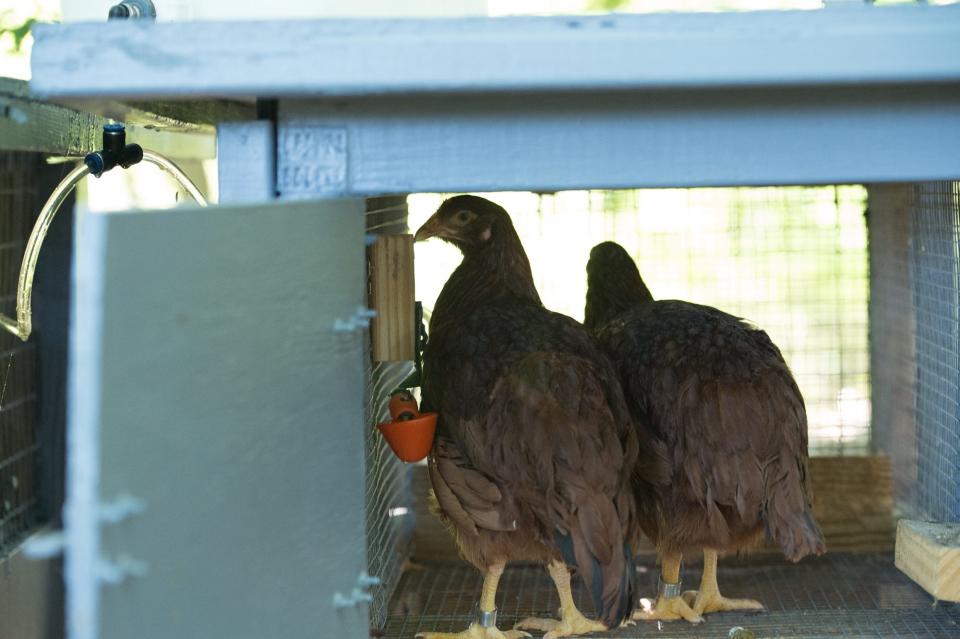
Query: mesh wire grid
column 838, row 595
column 19, row 443
column 935, row 260
column 915, row 330
column 389, row 499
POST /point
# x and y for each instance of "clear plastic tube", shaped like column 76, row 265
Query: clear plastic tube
column 23, row 325
column 178, row 175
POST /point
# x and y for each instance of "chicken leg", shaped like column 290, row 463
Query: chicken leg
column 673, row 607
column 708, row 598
column 488, row 598
column 572, row 622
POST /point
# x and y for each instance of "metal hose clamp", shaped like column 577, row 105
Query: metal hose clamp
column 668, row 591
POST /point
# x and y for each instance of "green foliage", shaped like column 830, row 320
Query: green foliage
column 607, row 5
column 19, row 32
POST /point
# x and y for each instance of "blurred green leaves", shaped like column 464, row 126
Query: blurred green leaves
column 607, row 5
column 19, row 32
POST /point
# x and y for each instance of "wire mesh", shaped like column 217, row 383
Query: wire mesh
column 838, row 595
column 19, row 442
column 389, row 498
column 792, row 260
column 936, row 296
column 915, row 320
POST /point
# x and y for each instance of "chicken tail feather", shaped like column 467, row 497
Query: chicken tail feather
column 610, row 583
column 790, row 521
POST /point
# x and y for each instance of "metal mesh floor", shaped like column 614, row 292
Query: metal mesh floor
column 839, row 595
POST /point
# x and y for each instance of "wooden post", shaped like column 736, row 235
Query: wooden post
column 392, row 333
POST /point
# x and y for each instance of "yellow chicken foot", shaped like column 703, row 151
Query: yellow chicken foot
column 571, row 622
column 672, row 607
column 475, row 631
column 487, row 603
column 708, row 598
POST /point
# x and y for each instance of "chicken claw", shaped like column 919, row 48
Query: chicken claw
column 668, row 609
column 706, row 601
column 571, row 625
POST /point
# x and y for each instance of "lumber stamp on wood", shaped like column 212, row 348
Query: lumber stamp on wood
column 929, row 553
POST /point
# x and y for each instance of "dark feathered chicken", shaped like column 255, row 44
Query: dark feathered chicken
column 717, row 394
column 534, row 446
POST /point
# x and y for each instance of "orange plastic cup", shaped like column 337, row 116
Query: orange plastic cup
column 412, row 439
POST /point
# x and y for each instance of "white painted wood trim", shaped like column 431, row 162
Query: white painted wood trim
column 842, row 45
column 81, row 513
column 247, row 171
column 830, row 135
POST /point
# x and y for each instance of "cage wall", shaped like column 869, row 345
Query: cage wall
column 915, row 342
column 389, row 498
column 33, row 373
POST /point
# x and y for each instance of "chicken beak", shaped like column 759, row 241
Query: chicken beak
column 430, row 228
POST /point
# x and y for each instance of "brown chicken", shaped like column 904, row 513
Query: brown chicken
column 716, row 393
column 534, row 446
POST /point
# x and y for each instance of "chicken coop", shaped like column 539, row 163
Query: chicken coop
column 201, row 392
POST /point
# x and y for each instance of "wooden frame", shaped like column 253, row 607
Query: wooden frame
column 846, row 95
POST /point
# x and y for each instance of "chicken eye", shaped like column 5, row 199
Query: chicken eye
column 464, row 217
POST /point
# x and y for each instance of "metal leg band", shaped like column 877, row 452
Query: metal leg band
column 487, row 618
column 668, row 591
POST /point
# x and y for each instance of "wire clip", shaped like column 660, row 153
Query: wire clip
column 358, row 595
column 121, row 507
column 360, row 319
column 116, row 572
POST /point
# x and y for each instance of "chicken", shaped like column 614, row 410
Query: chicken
column 716, row 394
column 534, row 447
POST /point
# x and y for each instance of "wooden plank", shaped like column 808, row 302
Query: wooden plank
column 28, row 123
column 393, row 330
column 929, row 553
column 219, row 374
column 855, row 45
column 618, row 140
column 852, row 500
column 245, row 162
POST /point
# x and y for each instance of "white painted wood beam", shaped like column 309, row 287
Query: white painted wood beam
column 619, row 140
column 857, row 44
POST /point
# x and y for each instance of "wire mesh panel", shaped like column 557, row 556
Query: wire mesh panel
column 389, row 500
column 936, row 293
column 792, row 260
column 19, row 441
column 915, row 297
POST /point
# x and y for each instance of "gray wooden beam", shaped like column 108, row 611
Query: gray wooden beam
column 824, row 135
column 858, row 44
